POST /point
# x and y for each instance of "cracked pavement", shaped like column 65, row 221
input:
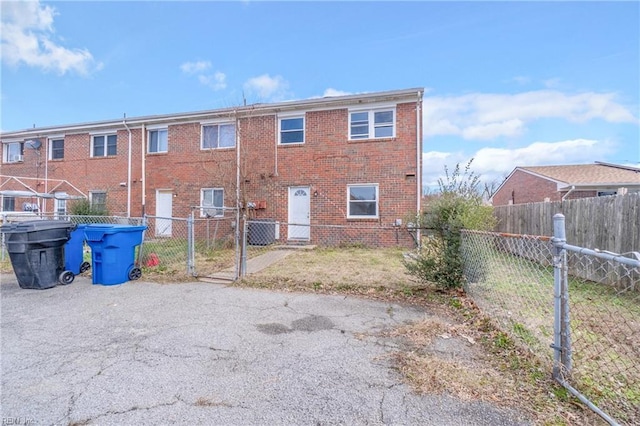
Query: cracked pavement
column 200, row 353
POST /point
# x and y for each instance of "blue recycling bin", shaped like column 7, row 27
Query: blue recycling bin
column 74, row 251
column 113, row 249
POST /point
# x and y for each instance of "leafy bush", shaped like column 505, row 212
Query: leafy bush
column 458, row 205
column 84, row 208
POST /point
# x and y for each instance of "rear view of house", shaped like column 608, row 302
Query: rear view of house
column 344, row 160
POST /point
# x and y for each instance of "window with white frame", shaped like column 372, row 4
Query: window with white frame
column 291, row 130
column 56, row 149
column 104, row 145
column 372, row 124
column 362, row 201
column 60, row 205
column 216, row 136
column 158, row 141
column 212, row 202
column 12, row 152
column 98, row 200
column 8, row 204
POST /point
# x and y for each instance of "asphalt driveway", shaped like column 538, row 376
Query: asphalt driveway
column 200, row 353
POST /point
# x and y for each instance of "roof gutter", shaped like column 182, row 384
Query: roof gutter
column 337, row 101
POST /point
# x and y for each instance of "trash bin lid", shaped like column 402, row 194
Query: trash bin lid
column 41, row 225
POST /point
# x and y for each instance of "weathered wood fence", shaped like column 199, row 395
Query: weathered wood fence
column 604, row 223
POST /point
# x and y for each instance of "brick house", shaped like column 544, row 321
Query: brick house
column 341, row 160
column 555, row 183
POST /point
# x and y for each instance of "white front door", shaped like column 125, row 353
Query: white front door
column 164, row 209
column 299, row 213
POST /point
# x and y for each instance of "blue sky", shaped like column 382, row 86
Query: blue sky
column 506, row 83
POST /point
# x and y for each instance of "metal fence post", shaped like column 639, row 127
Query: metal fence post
column 191, row 256
column 561, row 341
column 243, row 257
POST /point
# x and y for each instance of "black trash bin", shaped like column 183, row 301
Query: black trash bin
column 36, row 250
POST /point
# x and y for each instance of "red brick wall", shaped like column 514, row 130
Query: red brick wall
column 327, row 162
column 523, row 187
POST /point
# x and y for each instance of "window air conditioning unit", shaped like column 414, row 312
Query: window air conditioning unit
column 16, row 158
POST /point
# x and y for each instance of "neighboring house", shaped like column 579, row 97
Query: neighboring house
column 555, row 183
column 333, row 161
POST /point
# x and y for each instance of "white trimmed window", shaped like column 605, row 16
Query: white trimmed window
column 56, row 149
column 98, row 200
column 60, row 205
column 212, row 202
column 12, row 152
column 104, row 145
column 372, row 124
column 8, row 204
column 158, row 141
column 215, row 136
column 362, row 201
column 291, row 130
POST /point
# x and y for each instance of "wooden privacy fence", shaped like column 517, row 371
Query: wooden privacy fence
column 605, row 223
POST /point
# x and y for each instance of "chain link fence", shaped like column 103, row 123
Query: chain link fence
column 578, row 309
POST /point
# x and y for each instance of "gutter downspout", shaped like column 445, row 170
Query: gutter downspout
column 419, row 160
column 573, row 187
column 46, row 175
column 143, row 138
column 124, row 121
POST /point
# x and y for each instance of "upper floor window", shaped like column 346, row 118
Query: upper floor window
column 12, row 152
column 362, row 201
column 218, row 136
column 378, row 123
column 56, row 149
column 104, row 145
column 158, row 141
column 292, row 130
column 212, row 202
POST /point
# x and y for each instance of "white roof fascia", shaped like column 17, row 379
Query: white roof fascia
column 248, row 110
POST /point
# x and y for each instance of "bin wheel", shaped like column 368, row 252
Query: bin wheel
column 66, row 277
column 84, row 267
column 135, row 273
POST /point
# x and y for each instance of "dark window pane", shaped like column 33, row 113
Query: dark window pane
column 57, row 149
column 153, row 141
column 362, row 193
column 292, row 137
column 383, row 117
column 292, row 124
column 98, row 146
column 112, row 144
column 360, row 116
column 384, row 132
column 360, row 208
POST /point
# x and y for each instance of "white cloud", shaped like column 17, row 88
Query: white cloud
column 267, row 88
column 486, row 116
column 335, row 92
column 195, row 67
column 216, row 81
column 27, row 34
column 493, row 164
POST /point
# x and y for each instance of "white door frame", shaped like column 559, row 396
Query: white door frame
column 299, row 213
column 163, row 226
